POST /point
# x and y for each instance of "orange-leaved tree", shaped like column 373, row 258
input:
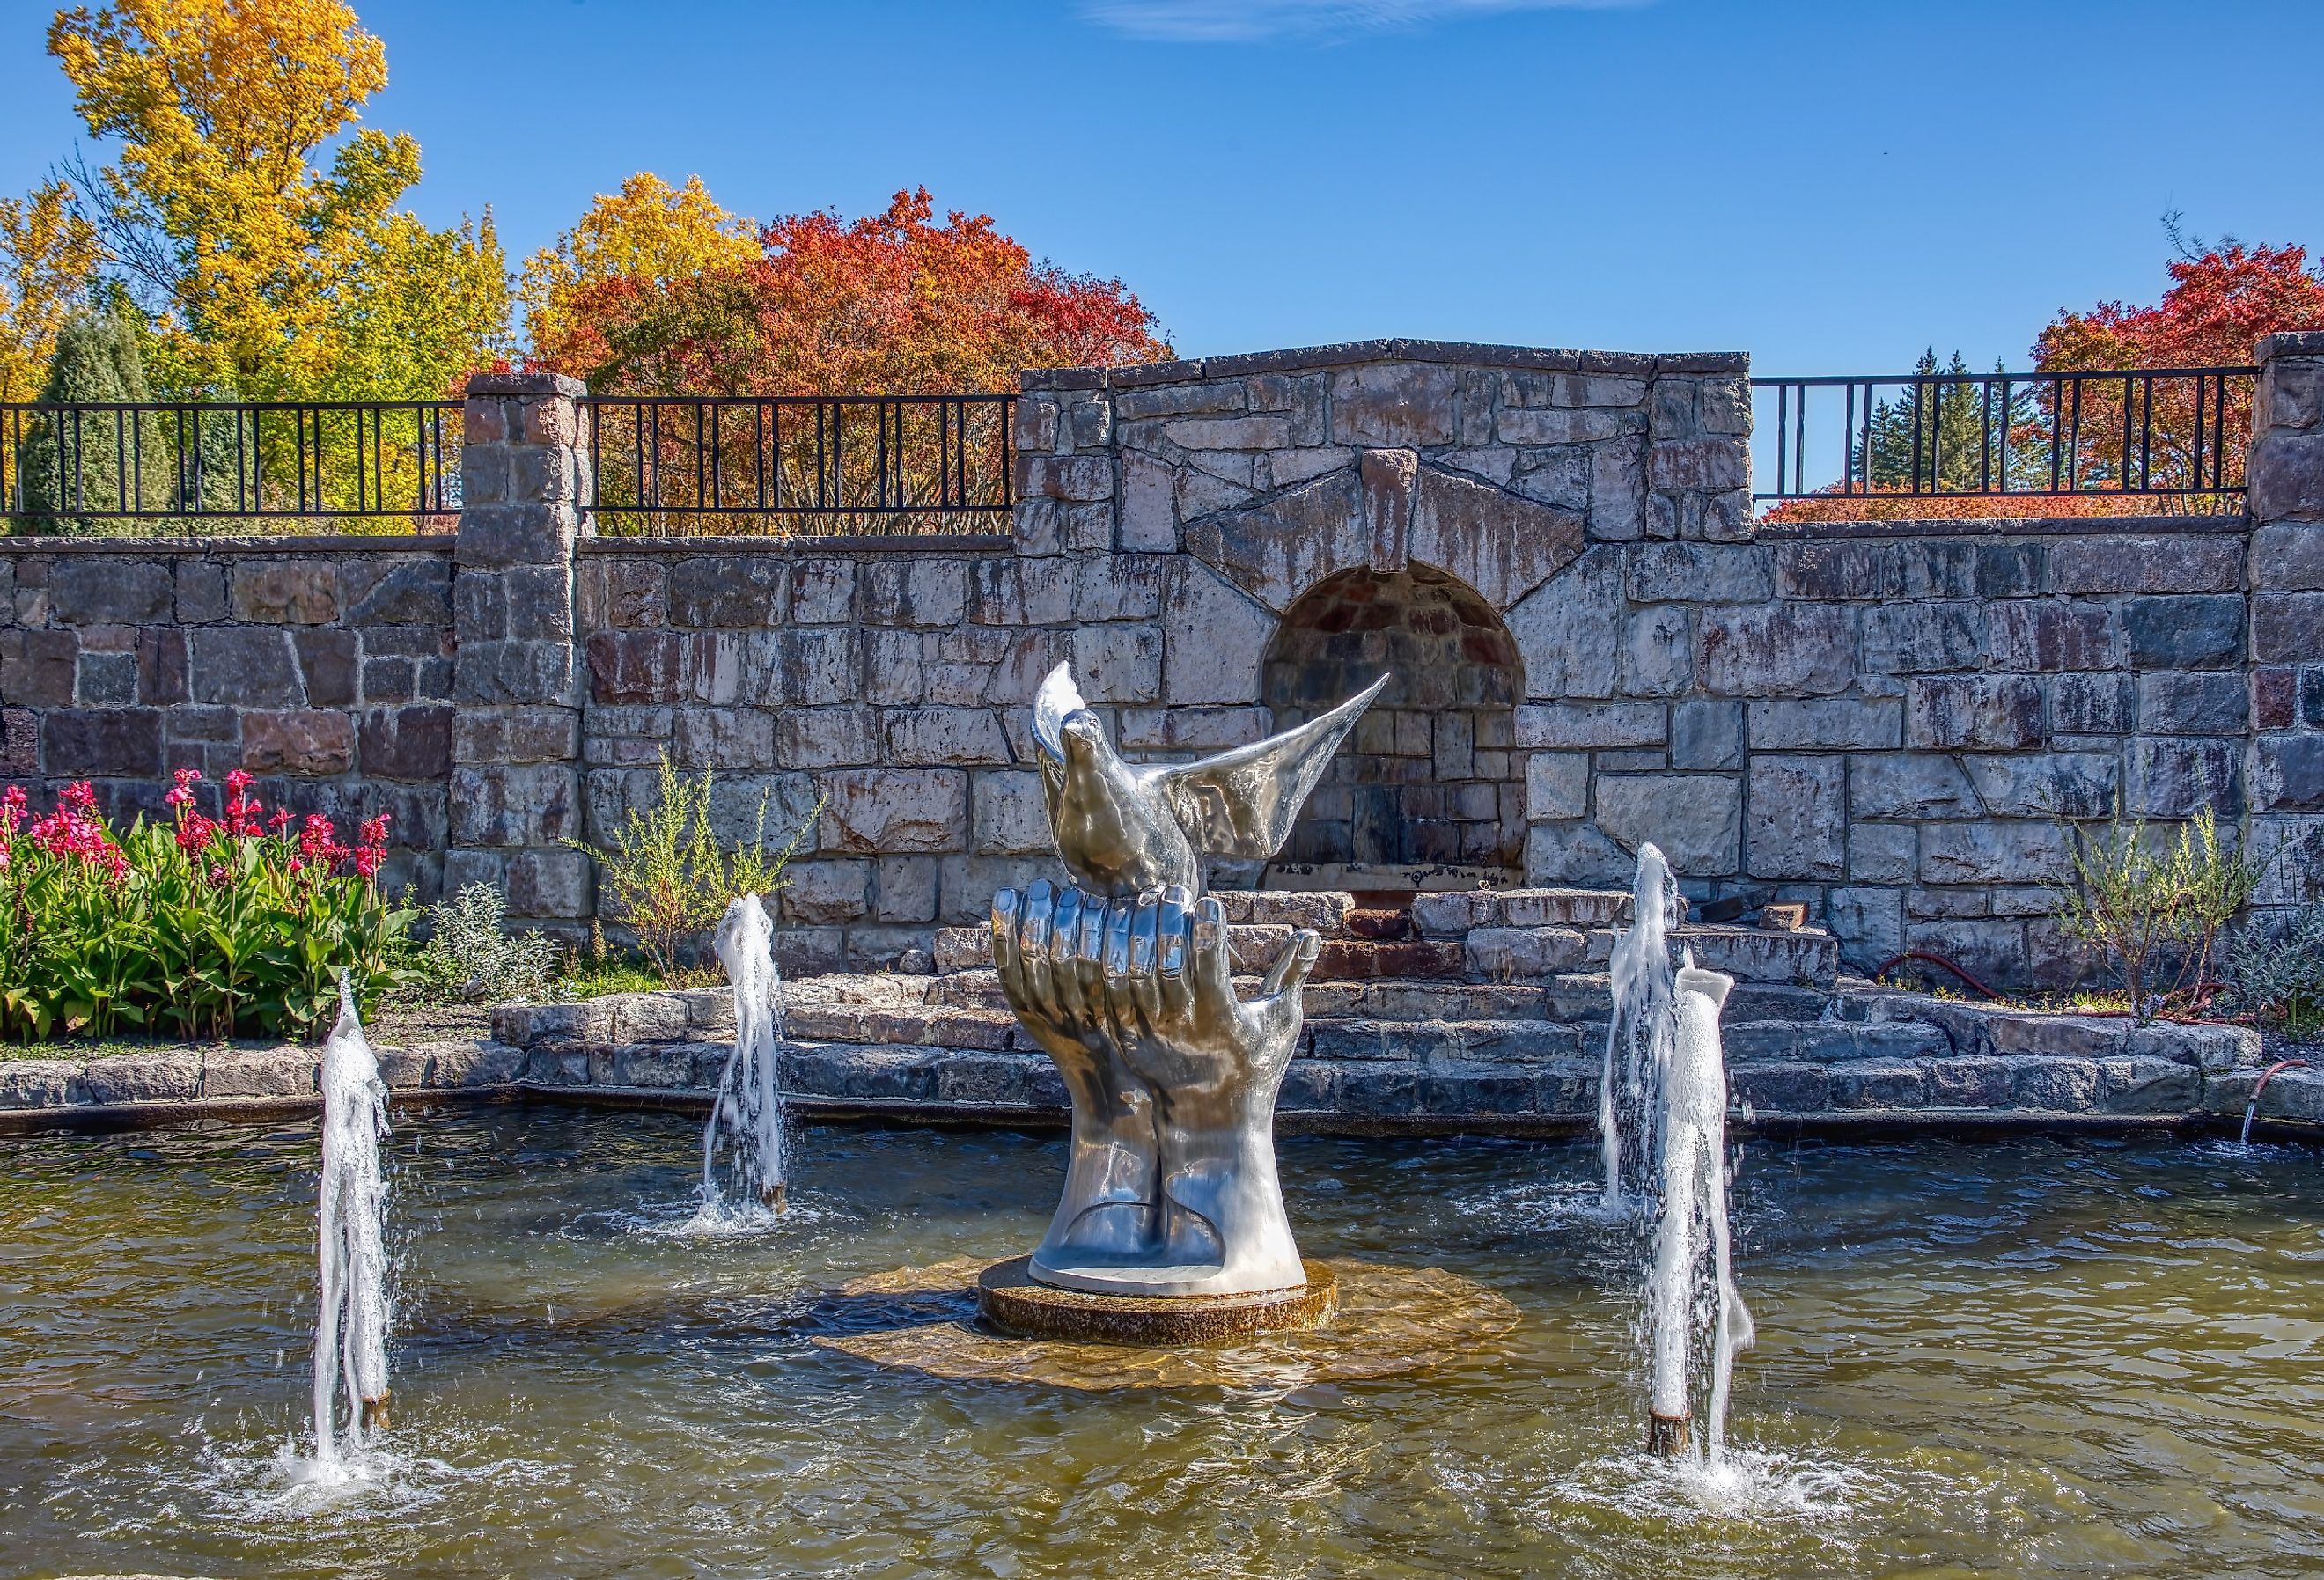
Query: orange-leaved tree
column 2221, row 300
column 648, row 233
column 2180, row 433
column 892, row 303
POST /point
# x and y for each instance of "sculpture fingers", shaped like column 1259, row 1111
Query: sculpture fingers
column 1005, row 911
column 1173, row 982
column 1065, row 974
column 1277, row 1012
column 1130, row 1026
column 1120, row 916
column 1033, row 943
column 1089, row 963
column 1299, row 952
column 1210, row 970
column 1144, row 946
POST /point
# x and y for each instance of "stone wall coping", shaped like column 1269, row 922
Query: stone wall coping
column 852, row 543
column 2289, row 343
column 524, row 384
column 442, row 543
column 1554, row 359
column 2007, row 526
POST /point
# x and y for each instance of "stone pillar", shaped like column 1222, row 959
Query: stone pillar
column 516, row 736
column 2285, row 477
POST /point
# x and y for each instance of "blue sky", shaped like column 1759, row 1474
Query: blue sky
column 1828, row 184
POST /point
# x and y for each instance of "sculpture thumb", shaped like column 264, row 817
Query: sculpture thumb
column 1289, row 971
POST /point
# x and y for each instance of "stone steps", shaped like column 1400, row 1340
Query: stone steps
column 1445, row 1084
column 1455, row 913
column 1499, row 951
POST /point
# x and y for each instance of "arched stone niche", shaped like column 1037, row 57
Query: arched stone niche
column 1431, row 775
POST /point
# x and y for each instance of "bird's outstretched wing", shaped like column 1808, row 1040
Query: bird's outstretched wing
column 1242, row 802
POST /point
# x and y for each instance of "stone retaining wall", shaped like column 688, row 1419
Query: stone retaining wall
column 1878, row 719
column 321, row 665
column 1375, row 1056
column 191, row 1080
column 1483, row 1058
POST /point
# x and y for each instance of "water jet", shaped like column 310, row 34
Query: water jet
column 350, row 1329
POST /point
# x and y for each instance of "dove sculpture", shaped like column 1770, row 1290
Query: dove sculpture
column 1124, row 829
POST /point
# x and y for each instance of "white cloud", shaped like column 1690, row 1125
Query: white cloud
column 1217, row 22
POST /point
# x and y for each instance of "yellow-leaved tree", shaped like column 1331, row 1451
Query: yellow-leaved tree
column 48, row 254
column 649, row 232
column 253, row 218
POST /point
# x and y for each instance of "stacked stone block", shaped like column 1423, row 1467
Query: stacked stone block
column 323, row 666
column 2285, row 751
column 890, row 681
column 515, row 779
column 1427, row 777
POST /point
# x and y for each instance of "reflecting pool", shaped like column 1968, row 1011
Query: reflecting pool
column 2055, row 1356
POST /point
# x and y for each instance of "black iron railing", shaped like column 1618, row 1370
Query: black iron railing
column 684, row 466
column 2174, row 435
column 107, row 467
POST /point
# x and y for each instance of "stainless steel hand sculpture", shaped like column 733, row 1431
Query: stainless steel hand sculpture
column 1171, row 1185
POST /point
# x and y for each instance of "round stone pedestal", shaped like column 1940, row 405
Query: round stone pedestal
column 1389, row 1321
column 1008, row 1299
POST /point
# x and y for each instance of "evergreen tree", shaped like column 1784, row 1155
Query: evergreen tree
column 98, row 461
column 1957, row 435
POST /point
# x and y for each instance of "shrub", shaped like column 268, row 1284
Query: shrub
column 470, row 955
column 2156, row 904
column 2279, row 974
column 668, row 881
column 196, row 928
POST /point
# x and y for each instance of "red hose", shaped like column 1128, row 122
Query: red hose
column 2268, row 1074
column 1933, row 958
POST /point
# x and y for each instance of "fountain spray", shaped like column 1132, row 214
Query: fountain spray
column 750, row 1097
column 351, row 1332
column 1639, row 1036
column 1694, row 1225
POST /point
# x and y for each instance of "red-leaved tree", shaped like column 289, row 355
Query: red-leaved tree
column 892, row 303
column 2221, row 299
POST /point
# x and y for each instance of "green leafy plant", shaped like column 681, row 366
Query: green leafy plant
column 2279, row 972
column 667, row 879
column 594, row 973
column 197, row 928
column 470, row 953
column 2155, row 903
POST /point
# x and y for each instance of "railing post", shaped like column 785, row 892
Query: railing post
column 2285, row 475
column 516, row 734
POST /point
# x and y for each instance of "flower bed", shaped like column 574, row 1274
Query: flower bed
column 197, row 927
